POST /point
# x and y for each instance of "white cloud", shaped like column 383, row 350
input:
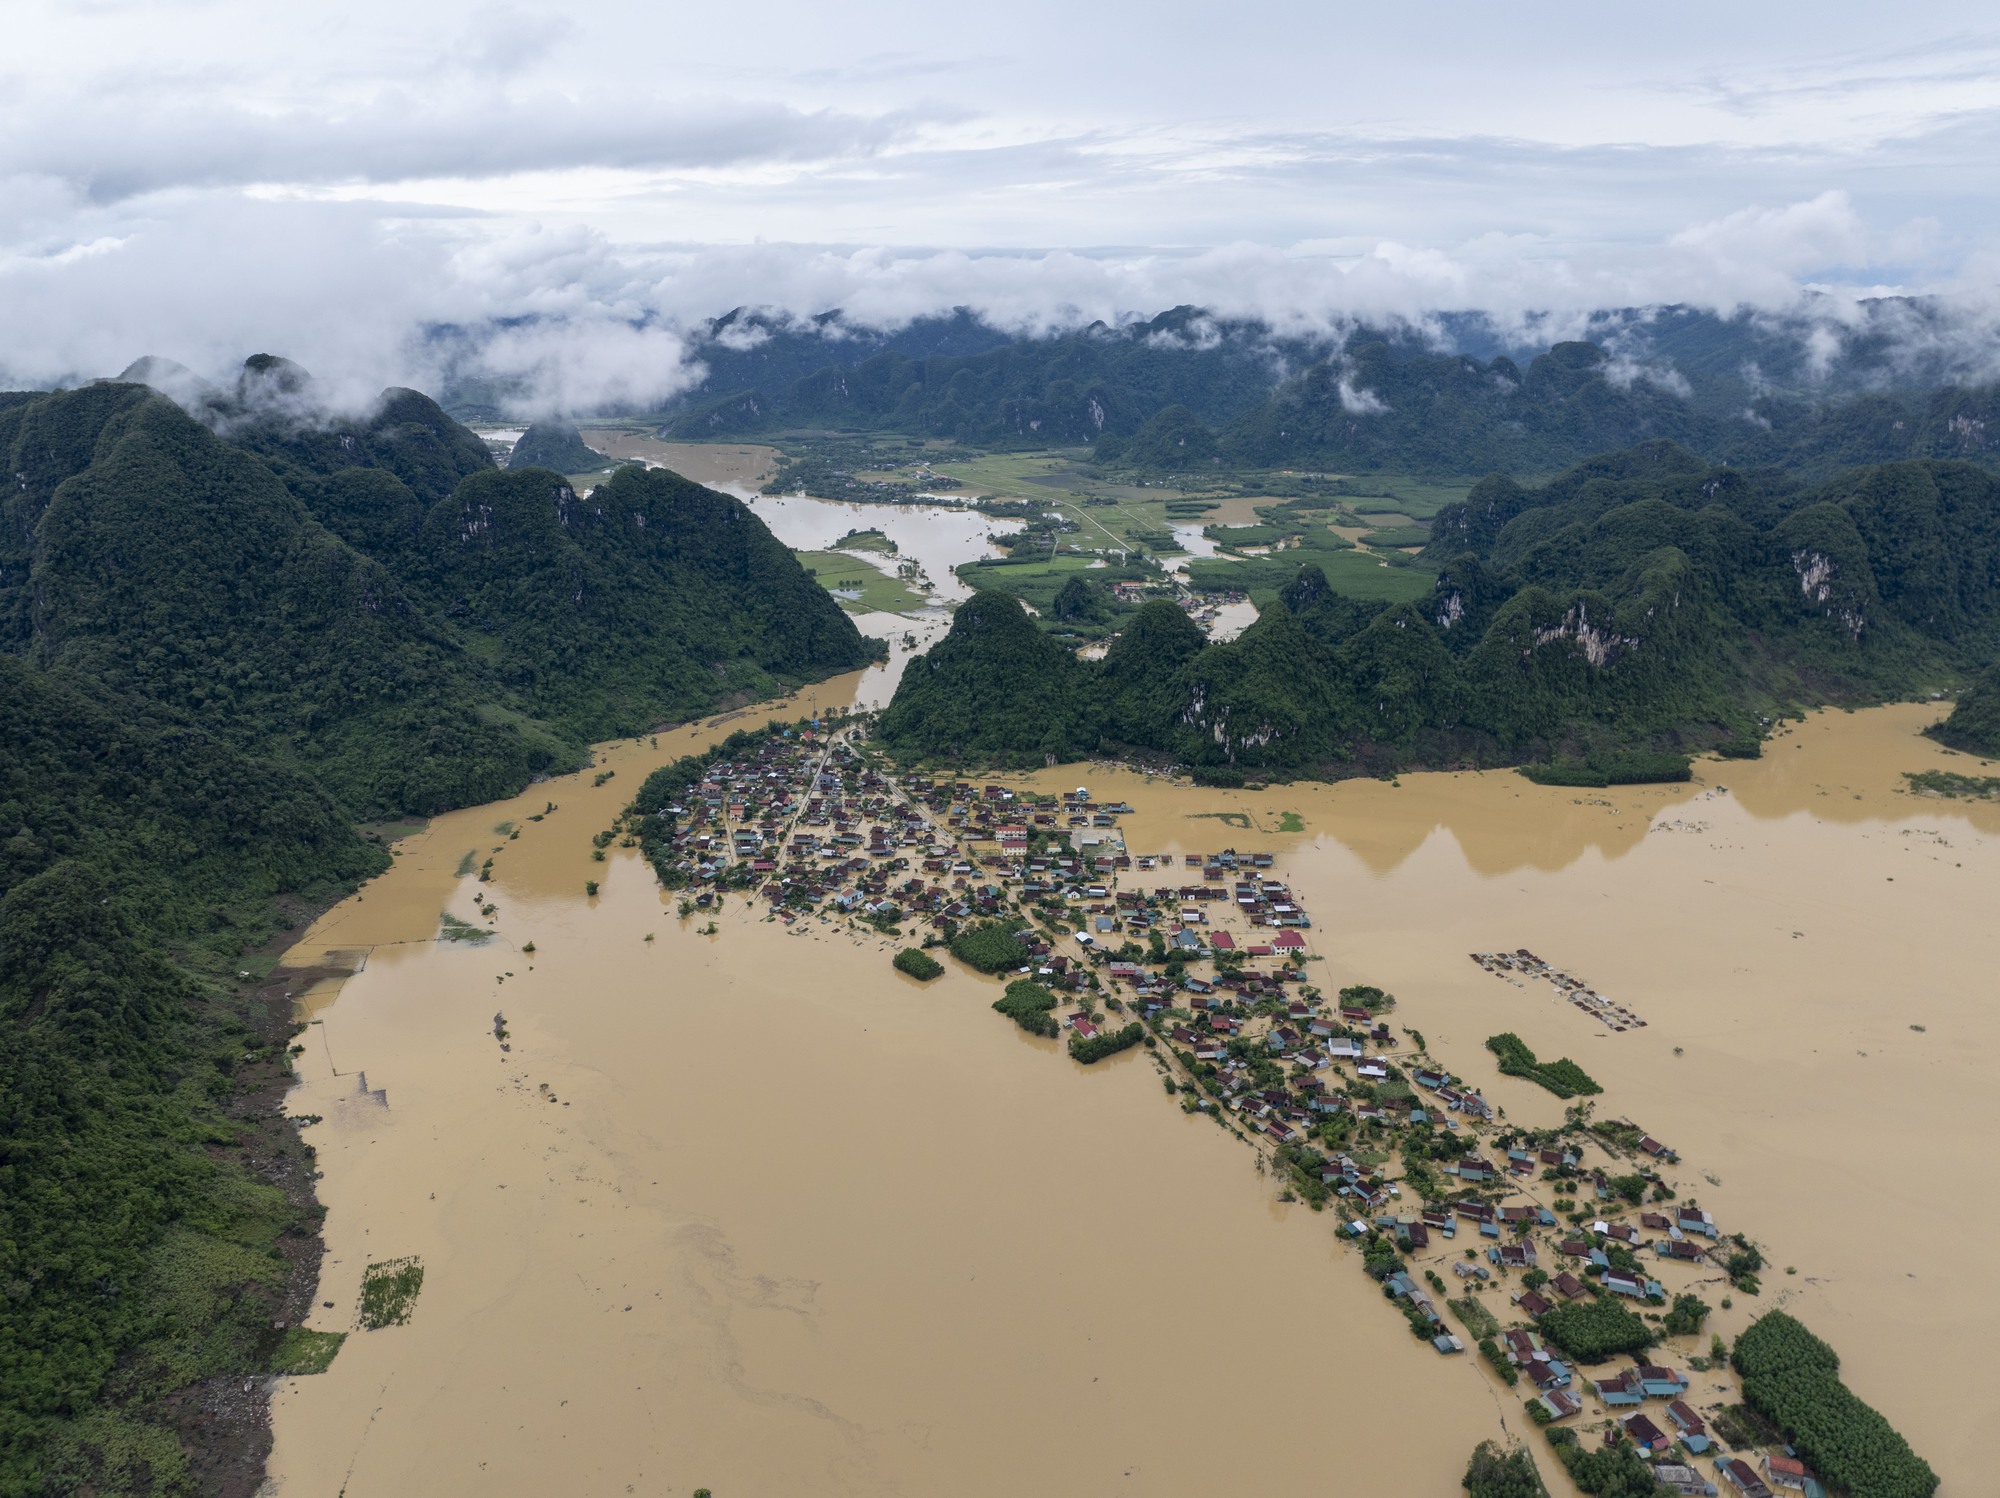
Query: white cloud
column 580, row 184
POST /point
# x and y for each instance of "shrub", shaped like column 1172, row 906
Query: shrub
column 1687, row 1316
column 389, row 1292
column 919, row 965
column 991, row 947
column 1493, row 1473
column 1027, row 1004
column 1490, row 1350
column 1592, row 1330
column 1108, row 1044
column 1366, row 996
column 1606, row 1472
column 1563, row 1077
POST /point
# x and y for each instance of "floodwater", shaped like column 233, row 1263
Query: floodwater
column 937, row 537
column 786, row 1222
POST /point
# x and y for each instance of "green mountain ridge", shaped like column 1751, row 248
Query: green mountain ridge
column 1190, row 393
column 227, row 632
column 1643, row 599
column 558, row 446
column 339, row 597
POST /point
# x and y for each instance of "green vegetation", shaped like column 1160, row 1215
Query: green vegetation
column 1686, row 1316
column 1953, row 786
column 217, row 654
column 1397, row 536
column 1602, row 1471
column 301, row 1352
column 377, row 605
column 1110, row 1043
column 991, row 947
column 1628, row 767
column 451, row 928
column 1189, row 393
column 1497, row 1360
column 1493, row 1473
column 919, row 965
column 994, row 688
column 389, row 1292
column 1478, row 1320
column 870, row 540
column 1029, row 1005
column 1354, row 574
column 557, row 447
column 1592, row 1330
column 1599, row 627
column 1792, row 1378
column 1562, row 1077
column 1367, row 996
column 860, row 586
column 141, row 858
column 1974, row 724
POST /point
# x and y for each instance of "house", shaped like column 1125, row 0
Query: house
column 1561, row 1404
column 1447, row 1344
column 1545, row 1372
column 1624, row 1389
column 1647, row 1436
column 1663, row 1382
column 1683, row 1480
column 1513, row 1255
column 1694, row 1220
column 1787, row 1472
column 1222, row 941
column 1741, row 1477
column 1472, row 1168
column 1535, row 1305
column 1693, row 1433
column 1620, row 1283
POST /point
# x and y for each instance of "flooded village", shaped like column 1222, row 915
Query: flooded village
column 1575, row 1263
column 853, row 1227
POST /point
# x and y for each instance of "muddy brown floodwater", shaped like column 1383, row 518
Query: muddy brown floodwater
column 752, row 1211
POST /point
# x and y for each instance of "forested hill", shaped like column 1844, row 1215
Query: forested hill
column 1644, row 599
column 376, row 603
column 223, row 641
column 1452, row 397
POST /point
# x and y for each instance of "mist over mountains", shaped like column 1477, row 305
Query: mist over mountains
column 1462, row 392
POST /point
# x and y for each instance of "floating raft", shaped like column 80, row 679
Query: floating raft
column 1525, row 963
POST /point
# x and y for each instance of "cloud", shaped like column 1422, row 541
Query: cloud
column 120, row 148
column 367, row 294
column 1357, row 402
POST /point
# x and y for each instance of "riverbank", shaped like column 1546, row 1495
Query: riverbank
column 871, row 1232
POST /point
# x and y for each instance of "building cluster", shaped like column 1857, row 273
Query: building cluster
column 1211, row 950
column 1531, row 968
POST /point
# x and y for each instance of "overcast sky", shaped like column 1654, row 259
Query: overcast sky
column 207, row 178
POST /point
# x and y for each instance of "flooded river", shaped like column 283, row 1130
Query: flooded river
column 752, row 1211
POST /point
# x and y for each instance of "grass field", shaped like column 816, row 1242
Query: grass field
column 1358, row 574
column 878, row 593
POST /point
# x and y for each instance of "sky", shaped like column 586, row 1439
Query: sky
column 202, row 179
